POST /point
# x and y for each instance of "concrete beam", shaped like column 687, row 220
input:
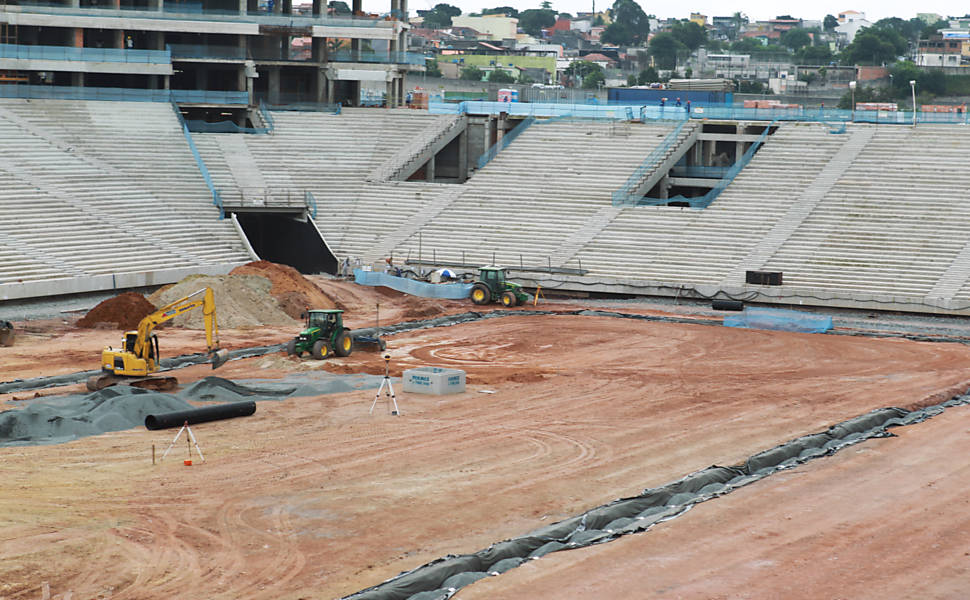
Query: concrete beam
column 71, row 66
column 729, row 137
column 694, row 181
column 134, row 24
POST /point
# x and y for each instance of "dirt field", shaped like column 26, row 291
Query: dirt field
column 315, row 498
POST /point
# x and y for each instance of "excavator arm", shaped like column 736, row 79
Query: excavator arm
column 171, row 310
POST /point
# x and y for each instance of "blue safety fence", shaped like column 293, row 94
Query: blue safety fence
column 311, row 203
column 111, row 55
column 400, row 58
column 779, row 319
column 675, row 113
column 449, row 291
column 624, row 195
column 216, row 197
column 507, row 139
column 182, row 12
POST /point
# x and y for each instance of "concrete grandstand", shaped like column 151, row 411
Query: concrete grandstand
column 872, row 217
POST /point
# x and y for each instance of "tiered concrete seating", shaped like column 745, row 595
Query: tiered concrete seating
column 680, row 245
column 535, row 193
column 105, row 188
column 894, row 223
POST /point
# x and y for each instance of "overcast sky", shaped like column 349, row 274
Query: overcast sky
column 754, row 9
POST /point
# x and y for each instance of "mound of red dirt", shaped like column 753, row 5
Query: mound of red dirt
column 294, row 292
column 124, row 311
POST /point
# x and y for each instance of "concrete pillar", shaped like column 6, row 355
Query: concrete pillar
column 155, row 5
column 429, row 169
column 241, row 78
column 77, row 79
column 389, row 94
column 166, row 81
column 463, row 156
column 78, row 38
column 75, row 3
column 664, row 187
column 119, row 41
column 273, row 85
column 319, row 8
column 738, row 151
column 500, row 126
column 487, row 130
column 243, row 6
column 320, row 80
column 330, row 97
column 202, row 78
column 709, row 152
column 318, row 48
column 287, row 7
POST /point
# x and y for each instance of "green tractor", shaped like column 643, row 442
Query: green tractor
column 325, row 335
column 492, row 285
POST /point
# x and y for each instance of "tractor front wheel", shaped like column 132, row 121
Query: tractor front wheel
column 344, row 344
column 291, row 348
column 320, row 349
column 508, row 299
column 481, row 294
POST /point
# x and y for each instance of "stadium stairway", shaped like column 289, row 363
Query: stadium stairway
column 409, row 158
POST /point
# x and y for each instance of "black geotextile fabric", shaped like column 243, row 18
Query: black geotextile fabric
column 58, row 419
column 442, row 578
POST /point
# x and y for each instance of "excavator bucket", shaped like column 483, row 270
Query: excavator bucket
column 218, row 358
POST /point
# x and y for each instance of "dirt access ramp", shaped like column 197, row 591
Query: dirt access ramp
column 319, row 498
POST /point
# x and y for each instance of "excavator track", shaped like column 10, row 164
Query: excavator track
column 158, row 384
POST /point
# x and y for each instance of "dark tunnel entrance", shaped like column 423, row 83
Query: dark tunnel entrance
column 289, row 241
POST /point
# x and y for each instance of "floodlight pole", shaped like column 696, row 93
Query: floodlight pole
column 912, row 85
column 852, row 85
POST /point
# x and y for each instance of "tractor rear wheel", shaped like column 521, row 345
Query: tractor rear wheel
column 344, row 344
column 320, row 349
column 481, row 294
column 508, row 299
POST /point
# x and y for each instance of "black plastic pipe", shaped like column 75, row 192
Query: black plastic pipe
column 200, row 415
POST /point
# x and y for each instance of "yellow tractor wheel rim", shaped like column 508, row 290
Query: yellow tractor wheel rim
column 479, row 294
column 346, row 343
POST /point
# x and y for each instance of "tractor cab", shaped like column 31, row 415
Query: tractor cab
column 326, row 320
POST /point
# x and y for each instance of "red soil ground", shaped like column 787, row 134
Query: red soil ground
column 316, row 498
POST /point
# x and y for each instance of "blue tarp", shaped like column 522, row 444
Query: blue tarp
column 779, row 319
column 451, row 291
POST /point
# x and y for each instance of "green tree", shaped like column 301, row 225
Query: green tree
column 631, row 80
column 689, row 34
column 795, row 38
column 909, row 30
column 664, row 48
column 546, row 5
column 336, row 7
column 830, row 23
column 594, row 80
column 648, row 75
column 534, row 20
column 630, row 26
column 524, row 79
column 738, row 20
column 433, row 70
column 815, row 55
column 471, row 74
column 874, row 46
column 933, row 29
column 578, row 69
column 439, row 16
column 501, row 76
column 508, row 11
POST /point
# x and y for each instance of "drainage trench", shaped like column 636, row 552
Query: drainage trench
column 442, row 578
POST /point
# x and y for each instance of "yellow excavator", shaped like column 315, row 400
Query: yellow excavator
column 139, row 356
